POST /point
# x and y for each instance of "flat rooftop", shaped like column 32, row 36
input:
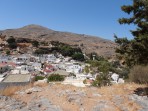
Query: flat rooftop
column 17, row 78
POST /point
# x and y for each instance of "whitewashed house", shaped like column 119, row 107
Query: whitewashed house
column 4, row 59
column 37, row 66
column 55, row 65
column 62, row 66
column 51, row 58
column 21, row 59
column 58, row 60
column 81, row 76
column 115, row 77
column 23, row 69
column 76, row 69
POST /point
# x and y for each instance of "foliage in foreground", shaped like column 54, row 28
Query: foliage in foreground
column 135, row 51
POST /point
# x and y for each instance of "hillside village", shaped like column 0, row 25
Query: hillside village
column 85, row 62
column 22, row 66
column 27, row 84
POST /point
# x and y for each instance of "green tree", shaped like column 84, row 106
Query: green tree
column 8, row 52
column 41, row 51
column 13, row 45
column 78, row 56
column 135, row 51
column 35, row 43
column 104, row 66
column 12, row 42
column 11, row 39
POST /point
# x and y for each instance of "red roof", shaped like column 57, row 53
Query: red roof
column 46, row 70
column 3, row 64
column 49, row 66
column 7, row 63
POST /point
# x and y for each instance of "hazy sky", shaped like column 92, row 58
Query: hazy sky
column 92, row 17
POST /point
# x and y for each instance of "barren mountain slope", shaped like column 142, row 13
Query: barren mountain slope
column 87, row 43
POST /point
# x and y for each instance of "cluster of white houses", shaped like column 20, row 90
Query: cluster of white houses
column 15, row 68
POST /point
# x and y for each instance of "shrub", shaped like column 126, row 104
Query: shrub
column 84, row 82
column 39, row 78
column 139, row 74
column 8, row 52
column 123, row 73
column 86, row 69
column 93, row 63
column 102, row 80
column 55, row 77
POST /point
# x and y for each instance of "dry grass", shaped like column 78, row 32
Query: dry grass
column 108, row 94
column 9, row 91
column 120, row 89
column 40, row 84
column 139, row 74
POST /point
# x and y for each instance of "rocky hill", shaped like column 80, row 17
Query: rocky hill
column 58, row 97
column 87, row 43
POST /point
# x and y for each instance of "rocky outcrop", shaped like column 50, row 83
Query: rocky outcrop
column 10, row 104
column 142, row 100
column 57, row 97
column 41, row 104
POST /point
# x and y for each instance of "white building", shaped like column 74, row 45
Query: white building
column 76, row 69
column 51, row 58
column 37, row 66
column 21, row 59
column 21, row 70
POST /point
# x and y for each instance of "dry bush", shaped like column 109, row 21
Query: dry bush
column 139, row 74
